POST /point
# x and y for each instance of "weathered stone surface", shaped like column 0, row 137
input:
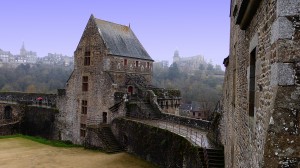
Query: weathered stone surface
column 253, row 42
column 288, row 7
column 158, row 146
column 282, row 74
column 265, row 138
column 282, row 28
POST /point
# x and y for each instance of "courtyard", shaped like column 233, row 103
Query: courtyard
column 21, row 152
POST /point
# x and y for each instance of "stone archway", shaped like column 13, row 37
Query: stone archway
column 7, row 112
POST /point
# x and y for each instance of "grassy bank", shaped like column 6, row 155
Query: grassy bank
column 54, row 143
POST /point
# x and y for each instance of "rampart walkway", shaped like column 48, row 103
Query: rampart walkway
column 195, row 136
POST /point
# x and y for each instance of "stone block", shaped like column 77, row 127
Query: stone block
column 253, row 42
column 282, row 74
column 288, row 7
column 282, row 28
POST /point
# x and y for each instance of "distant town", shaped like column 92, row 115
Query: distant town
column 30, row 57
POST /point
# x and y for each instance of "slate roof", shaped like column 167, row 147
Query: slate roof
column 121, row 41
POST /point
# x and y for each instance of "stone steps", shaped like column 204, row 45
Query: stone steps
column 111, row 143
column 212, row 158
column 115, row 107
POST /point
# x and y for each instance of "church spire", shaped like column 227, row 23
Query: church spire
column 23, row 50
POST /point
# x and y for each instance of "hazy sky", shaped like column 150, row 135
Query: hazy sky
column 191, row 26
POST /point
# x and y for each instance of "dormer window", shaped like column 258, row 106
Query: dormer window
column 87, row 58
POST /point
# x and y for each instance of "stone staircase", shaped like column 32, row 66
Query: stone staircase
column 111, row 143
column 115, row 107
column 212, row 158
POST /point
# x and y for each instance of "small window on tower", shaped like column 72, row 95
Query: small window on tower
column 148, row 65
column 136, row 63
column 87, row 58
column 125, row 62
column 85, row 84
column 83, row 126
column 82, row 132
column 83, row 107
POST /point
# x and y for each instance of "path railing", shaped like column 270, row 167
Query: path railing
column 190, row 133
column 44, row 104
column 196, row 136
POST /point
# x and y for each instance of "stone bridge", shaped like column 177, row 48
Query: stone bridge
column 146, row 130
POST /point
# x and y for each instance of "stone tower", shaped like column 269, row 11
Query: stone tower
column 107, row 58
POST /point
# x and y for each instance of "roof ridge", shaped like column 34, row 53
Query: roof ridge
column 112, row 22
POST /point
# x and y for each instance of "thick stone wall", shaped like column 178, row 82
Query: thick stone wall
column 272, row 37
column 39, row 121
column 9, row 129
column 192, row 122
column 28, row 98
column 14, row 110
column 29, row 120
column 158, row 146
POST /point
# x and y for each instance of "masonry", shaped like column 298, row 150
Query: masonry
column 23, row 113
column 260, row 122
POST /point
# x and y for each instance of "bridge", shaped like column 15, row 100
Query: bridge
column 144, row 109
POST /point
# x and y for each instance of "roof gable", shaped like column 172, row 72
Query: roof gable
column 120, row 40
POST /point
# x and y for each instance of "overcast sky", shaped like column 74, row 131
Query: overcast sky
column 55, row 26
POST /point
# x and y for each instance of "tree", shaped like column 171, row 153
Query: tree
column 31, row 89
column 173, row 72
column 210, row 67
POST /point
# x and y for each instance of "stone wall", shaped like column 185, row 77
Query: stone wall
column 29, row 120
column 156, row 145
column 192, row 122
column 264, row 138
column 14, row 110
column 39, row 121
column 28, row 98
column 9, row 129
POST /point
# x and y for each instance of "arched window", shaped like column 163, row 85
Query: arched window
column 7, row 112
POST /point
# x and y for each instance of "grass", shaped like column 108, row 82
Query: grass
column 41, row 140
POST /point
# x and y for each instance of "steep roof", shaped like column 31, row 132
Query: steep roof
column 120, row 40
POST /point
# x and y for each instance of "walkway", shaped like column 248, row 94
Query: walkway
column 32, row 105
column 195, row 136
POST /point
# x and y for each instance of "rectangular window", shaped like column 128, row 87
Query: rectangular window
column 82, row 132
column 136, row 63
column 85, row 83
column 87, row 58
column 148, row 65
column 83, row 126
column 125, row 62
column 83, row 107
column 252, row 82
